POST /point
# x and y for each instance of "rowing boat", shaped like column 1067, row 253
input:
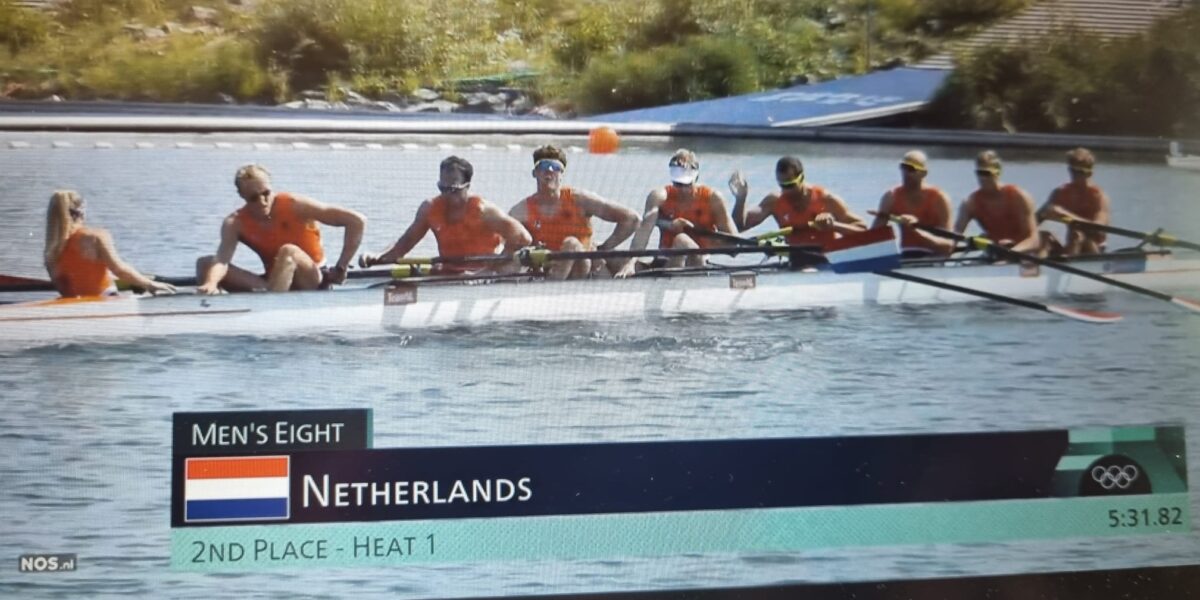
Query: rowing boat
column 430, row 303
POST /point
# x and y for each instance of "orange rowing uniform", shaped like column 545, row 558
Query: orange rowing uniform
column 699, row 212
column 75, row 274
column 925, row 209
column 568, row 221
column 1084, row 202
column 998, row 218
column 468, row 236
column 283, row 227
column 792, row 211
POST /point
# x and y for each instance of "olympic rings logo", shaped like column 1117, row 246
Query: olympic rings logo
column 1115, row 477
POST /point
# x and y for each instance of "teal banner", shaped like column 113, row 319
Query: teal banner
column 396, row 543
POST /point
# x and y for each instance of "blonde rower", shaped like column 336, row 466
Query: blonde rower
column 79, row 258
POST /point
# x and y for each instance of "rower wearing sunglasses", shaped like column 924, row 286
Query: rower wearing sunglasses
column 681, row 206
column 1077, row 200
column 560, row 218
column 816, row 215
column 462, row 223
column 1004, row 211
column 282, row 229
column 914, row 202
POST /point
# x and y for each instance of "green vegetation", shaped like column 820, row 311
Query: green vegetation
column 594, row 56
column 1073, row 82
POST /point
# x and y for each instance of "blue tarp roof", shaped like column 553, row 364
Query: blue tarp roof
column 871, row 96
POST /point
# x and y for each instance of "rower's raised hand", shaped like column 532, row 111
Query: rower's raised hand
column 738, row 186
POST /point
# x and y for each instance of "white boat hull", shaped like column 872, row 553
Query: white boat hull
column 425, row 305
column 1184, row 162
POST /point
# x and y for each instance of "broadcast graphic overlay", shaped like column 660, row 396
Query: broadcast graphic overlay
column 309, row 490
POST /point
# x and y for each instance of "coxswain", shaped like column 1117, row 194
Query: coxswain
column 80, row 259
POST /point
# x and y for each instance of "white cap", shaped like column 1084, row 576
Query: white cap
column 684, row 175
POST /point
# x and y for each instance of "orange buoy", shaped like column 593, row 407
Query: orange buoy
column 603, row 140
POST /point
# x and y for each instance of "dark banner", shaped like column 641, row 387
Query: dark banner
column 256, row 432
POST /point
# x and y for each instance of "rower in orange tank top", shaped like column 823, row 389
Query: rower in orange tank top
column 462, row 224
column 1077, row 200
column 266, row 238
column 79, row 258
column 915, row 203
column 1004, row 212
column 698, row 210
column 816, row 215
column 792, row 209
column 283, row 230
column 77, row 274
column 560, row 219
column 550, row 230
column 468, row 235
column 681, row 212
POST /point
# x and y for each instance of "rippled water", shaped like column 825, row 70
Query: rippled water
column 85, row 430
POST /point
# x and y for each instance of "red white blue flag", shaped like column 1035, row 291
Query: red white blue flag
column 237, row 488
column 871, row 250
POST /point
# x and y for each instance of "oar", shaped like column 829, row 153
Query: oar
column 983, row 243
column 1087, row 316
column 16, row 283
column 736, row 240
column 1156, row 238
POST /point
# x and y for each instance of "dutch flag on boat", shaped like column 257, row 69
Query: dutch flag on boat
column 236, row 488
column 871, row 250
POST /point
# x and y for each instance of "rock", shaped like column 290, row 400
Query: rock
column 316, row 104
column 311, row 95
column 53, row 98
column 293, row 104
column 394, row 98
column 436, row 106
column 208, row 16
column 224, row 98
column 801, row 79
column 521, row 105
column 425, row 95
column 353, row 97
column 544, row 111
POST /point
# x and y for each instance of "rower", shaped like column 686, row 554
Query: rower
column 915, row 203
column 560, row 218
column 1077, row 200
column 683, row 204
column 1004, row 211
column 816, row 215
column 282, row 229
column 79, row 258
column 462, row 223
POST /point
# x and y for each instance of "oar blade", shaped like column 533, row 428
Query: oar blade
column 1187, row 303
column 1087, row 316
